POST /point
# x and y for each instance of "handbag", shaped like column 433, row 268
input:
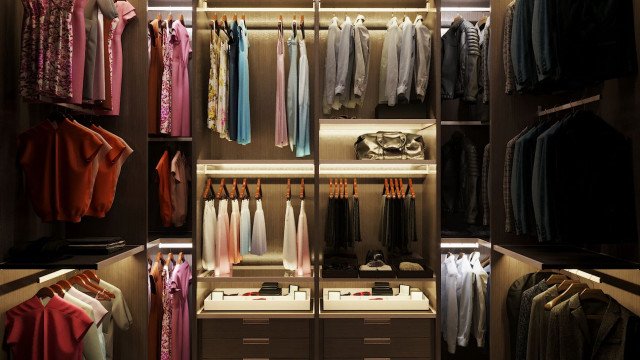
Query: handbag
column 389, row 146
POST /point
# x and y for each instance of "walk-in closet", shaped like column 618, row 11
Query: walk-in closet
column 320, row 179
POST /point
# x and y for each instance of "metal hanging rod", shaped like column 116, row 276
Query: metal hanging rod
column 377, row 10
column 255, row 9
column 602, row 278
column 568, row 105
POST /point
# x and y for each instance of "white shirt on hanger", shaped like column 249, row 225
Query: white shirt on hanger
column 449, row 308
column 464, row 292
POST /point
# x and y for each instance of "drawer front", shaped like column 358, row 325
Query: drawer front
column 254, row 328
column 378, row 348
column 255, row 348
column 382, row 327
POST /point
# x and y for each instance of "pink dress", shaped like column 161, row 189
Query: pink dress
column 79, row 44
column 180, row 339
column 180, row 117
column 126, row 12
column 165, row 92
column 304, row 260
column 223, row 265
column 29, row 49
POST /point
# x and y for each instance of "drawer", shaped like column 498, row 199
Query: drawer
column 254, row 328
column 378, row 328
column 378, row 348
column 255, row 348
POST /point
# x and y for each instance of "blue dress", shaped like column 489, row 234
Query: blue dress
column 244, row 107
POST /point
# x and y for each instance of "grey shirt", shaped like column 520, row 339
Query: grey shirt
column 406, row 62
column 330, row 65
column 361, row 71
column 393, row 56
column 344, row 70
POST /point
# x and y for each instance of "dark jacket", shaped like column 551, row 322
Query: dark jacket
column 450, row 59
column 593, row 187
column 570, row 336
column 594, row 40
column 460, row 177
column 460, row 52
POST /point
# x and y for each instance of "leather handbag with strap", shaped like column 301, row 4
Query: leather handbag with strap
column 389, row 146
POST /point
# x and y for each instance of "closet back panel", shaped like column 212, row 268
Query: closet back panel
column 376, row 24
column 274, row 206
column 262, row 70
column 370, row 194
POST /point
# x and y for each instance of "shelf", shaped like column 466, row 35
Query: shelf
column 309, row 314
column 271, row 168
column 255, row 273
column 171, row 243
column 463, row 123
column 563, row 257
column 165, row 139
column 79, row 262
column 377, row 168
column 461, row 243
column 356, row 127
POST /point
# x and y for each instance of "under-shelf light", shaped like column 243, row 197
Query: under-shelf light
column 53, row 275
column 584, row 275
column 275, row 168
column 169, row 8
column 464, row 9
column 370, row 167
column 336, row 128
column 254, row 9
column 184, row 245
column 460, row 245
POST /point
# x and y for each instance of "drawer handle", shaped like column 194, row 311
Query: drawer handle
column 377, row 341
column 255, row 321
column 255, row 341
column 377, row 321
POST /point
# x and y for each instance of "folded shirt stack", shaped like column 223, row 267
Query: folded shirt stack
column 95, row 245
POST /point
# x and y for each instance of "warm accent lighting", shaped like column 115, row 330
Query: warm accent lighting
column 53, row 275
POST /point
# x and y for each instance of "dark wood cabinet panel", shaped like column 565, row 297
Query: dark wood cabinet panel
column 384, row 347
column 383, row 327
column 255, row 328
column 255, row 348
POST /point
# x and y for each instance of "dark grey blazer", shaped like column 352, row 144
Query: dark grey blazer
column 108, row 9
column 570, row 336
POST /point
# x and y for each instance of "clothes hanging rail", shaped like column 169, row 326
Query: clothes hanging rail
column 567, row 106
column 35, row 278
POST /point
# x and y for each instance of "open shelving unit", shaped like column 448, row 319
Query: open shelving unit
column 80, row 262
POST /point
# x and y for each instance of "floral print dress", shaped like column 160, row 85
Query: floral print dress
column 212, row 104
column 167, row 315
column 30, row 48
column 223, row 90
column 58, row 49
column 165, row 92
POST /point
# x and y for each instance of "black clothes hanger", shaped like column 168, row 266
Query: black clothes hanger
column 294, row 27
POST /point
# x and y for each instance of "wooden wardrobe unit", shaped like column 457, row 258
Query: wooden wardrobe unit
column 509, row 115
column 315, row 333
column 128, row 216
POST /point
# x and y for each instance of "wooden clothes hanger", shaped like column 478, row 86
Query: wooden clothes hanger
column 413, row 192
column 386, row 188
column 221, row 188
column 182, row 20
column 330, row 188
column 57, row 289
column 287, row 194
column 556, row 279
column 302, row 192
column 564, row 285
column 302, row 25
column 45, row 292
column 400, row 188
column 294, row 27
column 234, row 189
column 355, row 188
column 258, row 190
column 180, row 257
column 573, row 289
column 206, row 194
column 594, row 294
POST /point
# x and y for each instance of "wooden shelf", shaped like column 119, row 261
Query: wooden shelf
column 376, row 168
column 463, row 123
column 164, row 139
column 202, row 314
column 79, row 262
column 355, row 127
column 563, row 257
column 247, row 168
column 255, row 273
